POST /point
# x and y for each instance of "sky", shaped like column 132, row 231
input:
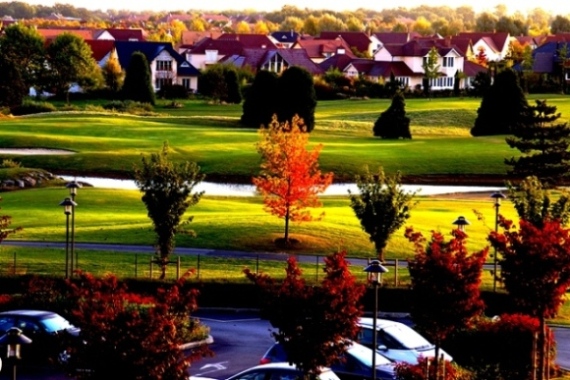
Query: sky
column 555, row 7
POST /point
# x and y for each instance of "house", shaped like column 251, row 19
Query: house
column 284, row 40
column 191, row 38
column 210, row 51
column 167, row 66
column 51, row 33
column 121, row 34
column 495, row 45
column 547, row 59
column 359, row 41
column 249, row 40
column 274, row 60
column 102, row 50
column 319, row 50
column 381, row 72
column 384, row 38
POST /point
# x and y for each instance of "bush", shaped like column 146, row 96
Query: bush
column 30, row 107
column 174, row 91
column 406, row 371
column 9, row 164
column 129, row 106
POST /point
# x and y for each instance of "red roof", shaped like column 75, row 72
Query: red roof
column 499, row 39
column 100, row 48
column 323, row 48
column 359, row 40
column 51, row 33
column 126, row 34
column 224, row 47
column 248, row 40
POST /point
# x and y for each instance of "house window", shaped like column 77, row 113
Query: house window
column 276, row 64
column 404, row 81
column 448, row 61
column 186, row 83
column 160, row 82
column 211, row 55
column 163, row 65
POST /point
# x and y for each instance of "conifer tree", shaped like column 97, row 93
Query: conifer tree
column 137, row 85
column 259, row 105
column 393, row 123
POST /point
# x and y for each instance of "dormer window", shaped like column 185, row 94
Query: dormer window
column 341, row 51
column 211, row 55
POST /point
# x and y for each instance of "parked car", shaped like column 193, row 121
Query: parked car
column 274, row 371
column 356, row 363
column 397, row 341
column 44, row 328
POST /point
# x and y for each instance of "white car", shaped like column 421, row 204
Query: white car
column 397, row 341
column 274, row 371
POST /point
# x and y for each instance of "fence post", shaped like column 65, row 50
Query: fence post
column 396, row 273
column 178, row 267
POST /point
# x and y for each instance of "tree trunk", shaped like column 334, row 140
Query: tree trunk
column 381, row 255
column 286, row 237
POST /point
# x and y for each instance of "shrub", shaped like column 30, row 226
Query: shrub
column 451, row 371
column 129, row 106
column 31, row 107
column 9, row 164
column 174, row 91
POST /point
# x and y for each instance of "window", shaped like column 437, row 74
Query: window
column 163, row 65
column 160, row 82
column 186, row 83
column 448, row 61
column 404, row 81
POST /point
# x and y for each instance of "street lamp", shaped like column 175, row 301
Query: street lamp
column 13, row 339
column 497, row 196
column 461, row 222
column 375, row 270
column 73, row 186
column 68, row 205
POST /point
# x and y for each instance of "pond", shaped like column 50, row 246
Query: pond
column 220, row 189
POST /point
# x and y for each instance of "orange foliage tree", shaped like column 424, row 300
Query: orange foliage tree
column 290, row 178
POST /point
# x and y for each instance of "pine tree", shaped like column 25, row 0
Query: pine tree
column 296, row 96
column 502, row 106
column 137, row 85
column 259, row 105
column 544, row 146
column 393, row 123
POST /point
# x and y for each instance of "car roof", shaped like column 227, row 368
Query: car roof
column 276, row 365
column 380, row 323
column 28, row 313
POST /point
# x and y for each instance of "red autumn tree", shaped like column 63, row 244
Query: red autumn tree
column 290, row 178
column 128, row 336
column 481, row 57
column 535, row 270
column 445, row 284
column 314, row 324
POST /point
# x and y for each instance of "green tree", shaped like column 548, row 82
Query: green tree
column 233, row 95
column 213, row 82
column 560, row 24
column 315, row 323
column 381, row 206
column 70, row 60
column 502, row 107
column 137, row 85
column 393, row 123
column 563, row 65
column 485, row 22
column 260, row 102
column 12, row 86
column 431, row 69
column 543, row 144
column 22, row 49
column 296, row 96
column 167, row 193
column 535, row 203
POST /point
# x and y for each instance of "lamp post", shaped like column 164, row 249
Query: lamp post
column 461, row 222
column 13, row 339
column 497, row 196
column 73, row 186
column 375, row 270
column 68, row 205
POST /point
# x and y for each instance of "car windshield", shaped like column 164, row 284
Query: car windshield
column 56, row 323
column 407, row 336
column 364, row 355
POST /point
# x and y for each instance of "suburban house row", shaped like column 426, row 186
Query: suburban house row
column 400, row 54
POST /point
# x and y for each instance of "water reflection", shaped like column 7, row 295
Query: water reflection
column 233, row 190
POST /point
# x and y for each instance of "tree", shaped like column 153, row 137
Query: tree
column 296, row 96
column 393, row 123
column 167, row 189
column 535, row 270
column 260, row 102
column 543, row 144
column 129, row 336
column 13, row 89
column 381, row 206
column 502, row 106
column 485, row 22
column 22, row 48
column 533, row 202
column 560, row 24
column 137, row 85
column 70, row 61
column 113, row 75
column 445, row 285
column 481, row 57
column 315, row 323
column 431, row 69
column 563, row 65
column 5, row 230
column 290, row 178
column 233, row 95
column 481, row 83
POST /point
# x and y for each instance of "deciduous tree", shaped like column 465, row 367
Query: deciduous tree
column 290, row 179
column 382, row 206
column 314, row 323
column 167, row 189
column 431, row 69
column 113, row 75
column 543, row 144
column 129, row 336
column 138, row 85
column 535, row 270
column 70, row 61
column 446, row 281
